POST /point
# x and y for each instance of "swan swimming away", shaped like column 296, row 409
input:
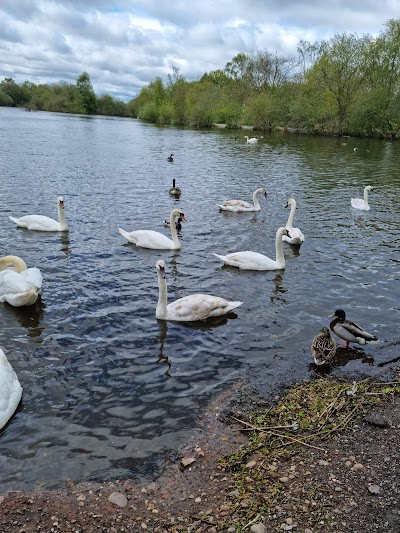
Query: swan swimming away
column 359, row 203
column 147, row 238
column 252, row 140
column 175, row 191
column 348, row 330
column 189, row 308
column 295, row 235
column 20, row 286
column 10, row 390
column 42, row 223
column 255, row 261
column 240, row 206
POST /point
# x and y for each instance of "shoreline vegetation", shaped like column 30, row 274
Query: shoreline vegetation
column 346, row 85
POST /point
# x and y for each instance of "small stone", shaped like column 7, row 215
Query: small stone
column 287, row 507
column 231, row 530
column 257, row 528
column 198, row 500
column 377, row 421
column 117, row 498
column 143, row 525
column 308, row 531
column 251, row 464
column 2, row 499
column 358, row 467
column 187, row 461
column 338, row 489
column 284, row 479
column 374, row 489
column 81, row 498
column 348, row 463
column 322, row 462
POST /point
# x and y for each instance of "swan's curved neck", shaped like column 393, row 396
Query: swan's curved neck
column 289, row 223
column 14, row 261
column 366, row 195
column 280, row 258
column 255, row 200
column 174, row 233
column 61, row 218
column 161, row 309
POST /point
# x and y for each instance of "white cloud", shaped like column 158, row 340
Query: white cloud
column 125, row 44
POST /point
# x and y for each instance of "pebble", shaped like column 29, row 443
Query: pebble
column 284, row 479
column 251, row 464
column 257, row 528
column 198, row 500
column 187, row 461
column 374, row 489
column 322, row 462
column 118, row 498
column 357, row 467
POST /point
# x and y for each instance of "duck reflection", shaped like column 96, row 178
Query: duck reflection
column 342, row 357
column 360, row 218
column 30, row 317
column 64, row 240
column 279, row 289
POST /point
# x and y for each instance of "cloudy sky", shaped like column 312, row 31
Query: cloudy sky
column 125, row 44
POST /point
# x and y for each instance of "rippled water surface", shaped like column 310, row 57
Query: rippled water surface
column 109, row 391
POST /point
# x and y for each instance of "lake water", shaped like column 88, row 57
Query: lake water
column 110, row 392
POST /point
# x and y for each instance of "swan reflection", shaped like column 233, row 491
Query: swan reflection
column 164, row 359
column 30, row 318
column 65, row 242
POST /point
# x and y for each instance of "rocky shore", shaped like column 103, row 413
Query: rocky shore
column 231, row 477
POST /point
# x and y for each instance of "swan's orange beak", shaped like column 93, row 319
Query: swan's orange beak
column 62, row 205
column 183, row 217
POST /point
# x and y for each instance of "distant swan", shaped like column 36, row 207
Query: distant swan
column 295, row 235
column 255, row 261
column 358, row 203
column 10, row 390
column 189, row 308
column 252, row 140
column 42, row 223
column 20, row 286
column 239, row 206
column 170, row 158
column 175, row 191
column 147, row 238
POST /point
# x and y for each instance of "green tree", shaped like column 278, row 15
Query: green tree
column 86, row 101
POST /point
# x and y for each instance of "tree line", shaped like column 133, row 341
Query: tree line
column 62, row 97
column 346, row 85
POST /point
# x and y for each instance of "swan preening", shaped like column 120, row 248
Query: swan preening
column 10, row 390
column 252, row 140
column 295, row 235
column 148, row 238
column 359, row 203
column 20, row 286
column 323, row 347
column 239, row 206
column 189, row 308
column 348, row 330
column 255, row 261
column 42, row 223
column 175, row 191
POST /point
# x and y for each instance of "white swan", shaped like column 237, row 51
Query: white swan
column 252, row 140
column 256, row 261
column 10, row 390
column 20, row 286
column 189, row 308
column 359, row 203
column 295, row 235
column 42, row 223
column 147, row 238
column 239, row 206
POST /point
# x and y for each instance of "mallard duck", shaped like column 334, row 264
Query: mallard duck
column 189, row 308
column 42, row 223
column 178, row 225
column 175, row 191
column 359, row 203
column 349, row 331
column 170, row 158
column 239, row 206
column 323, row 347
